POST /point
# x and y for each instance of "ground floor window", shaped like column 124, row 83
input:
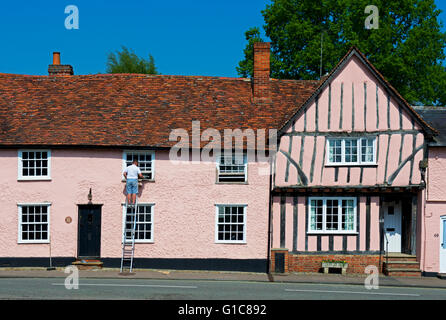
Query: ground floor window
column 230, row 224
column 332, row 215
column 144, row 222
column 34, row 223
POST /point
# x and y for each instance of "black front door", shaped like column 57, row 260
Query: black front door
column 89, row 244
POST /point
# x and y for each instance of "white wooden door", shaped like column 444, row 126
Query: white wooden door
column 443, row 244
column 392, row 225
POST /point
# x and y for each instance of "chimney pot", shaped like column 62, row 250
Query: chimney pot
column 56, row 58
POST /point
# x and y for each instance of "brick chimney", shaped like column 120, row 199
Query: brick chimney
column 57, row 69
column 261, row 84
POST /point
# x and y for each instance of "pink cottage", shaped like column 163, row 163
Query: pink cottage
column 357, row 175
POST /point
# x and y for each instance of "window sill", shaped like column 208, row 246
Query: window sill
column 228, row 182
column 351, row 165
column 140, row 180
column 34, row 179
column 33, row 242
column 231, row 242
column 340, row 233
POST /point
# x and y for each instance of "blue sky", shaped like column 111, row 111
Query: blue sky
column 196, row 37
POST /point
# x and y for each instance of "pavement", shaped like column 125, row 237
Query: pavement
column 318, row 278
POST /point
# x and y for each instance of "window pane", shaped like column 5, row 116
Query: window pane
column 332, row 215
column 367, row 150
column 316, row 214
column 348, row 215
column 351, row 150
column 335, row 151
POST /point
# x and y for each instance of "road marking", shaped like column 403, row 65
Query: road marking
column 128, row 285
column 356, row 292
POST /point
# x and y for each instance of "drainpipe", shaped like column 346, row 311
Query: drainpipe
column 424, row 221
column 268, row 271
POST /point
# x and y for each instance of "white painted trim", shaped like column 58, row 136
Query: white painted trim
column 124, row 158
column 152, row 220
column 20, row 177
column 245, row 169
column 359, row 149
column 19, row 233
column 244, row 241
column 442, row 261
column 324, row 216
column 34, row 203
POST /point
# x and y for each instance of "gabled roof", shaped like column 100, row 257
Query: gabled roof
column 436, row 117
column 134, row 110
column 354, row 51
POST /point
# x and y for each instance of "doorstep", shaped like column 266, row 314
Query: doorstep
column 88, row 264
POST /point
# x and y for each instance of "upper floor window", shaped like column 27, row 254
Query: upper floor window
column 34, row 164
column 146, row 162
column 351, row 151
column 232, row 168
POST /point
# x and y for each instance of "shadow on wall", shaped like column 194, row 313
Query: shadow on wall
column 141, row 187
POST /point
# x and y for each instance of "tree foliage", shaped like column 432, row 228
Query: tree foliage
column 407, row 48
column 126, row 61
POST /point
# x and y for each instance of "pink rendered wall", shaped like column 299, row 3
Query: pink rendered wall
column 184, row 212
column 397, row 134
column 435, row 207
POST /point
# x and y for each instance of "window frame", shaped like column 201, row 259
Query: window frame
column 359, row 154
column 324, row 216
column 217, row 206
column 20, row 206
column 152, row 221
column 124, row 162
column 245, row 170
column 21, row 177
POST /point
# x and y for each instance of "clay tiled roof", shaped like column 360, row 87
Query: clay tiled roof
column 134, row 110
column 436, row 117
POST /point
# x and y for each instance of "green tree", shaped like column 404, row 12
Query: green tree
column 407, row 48
column 126, row 61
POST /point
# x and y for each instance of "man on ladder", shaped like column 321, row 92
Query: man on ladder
column 131, row 174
